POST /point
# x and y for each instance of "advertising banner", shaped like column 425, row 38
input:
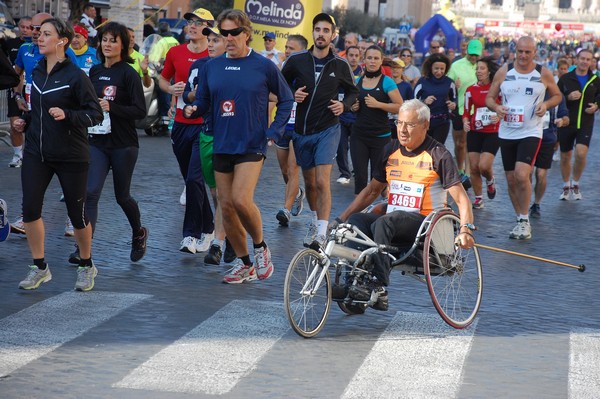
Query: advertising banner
column 283, row 17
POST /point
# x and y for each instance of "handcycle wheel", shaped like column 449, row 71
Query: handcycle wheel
column 348, row 308
column 306, row 305
column 454, row 275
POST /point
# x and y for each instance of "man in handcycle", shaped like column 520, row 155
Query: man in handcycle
column 418, row 172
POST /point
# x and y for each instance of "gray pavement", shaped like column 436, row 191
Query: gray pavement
column 521, row 346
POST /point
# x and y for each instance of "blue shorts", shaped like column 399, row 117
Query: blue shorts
column 284, row 142
column 317, row 149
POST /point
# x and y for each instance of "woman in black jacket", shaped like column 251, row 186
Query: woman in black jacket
column 63, row 105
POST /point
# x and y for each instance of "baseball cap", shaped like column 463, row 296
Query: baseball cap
column 474, row 47
column 208, row 30
column 400, row 63
column 323, row 17
column 201, row 13
column 269, row 35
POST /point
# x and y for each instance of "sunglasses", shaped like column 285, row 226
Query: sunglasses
column 232, row 32
column 434, row 47
column 268, row 40
column 406, row 55
column 36, row 27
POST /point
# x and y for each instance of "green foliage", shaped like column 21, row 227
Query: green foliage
column 214, row 6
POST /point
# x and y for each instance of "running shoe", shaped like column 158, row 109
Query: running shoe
column 229, row 255
column 566, row 193
column 478, row 203
column 213, row 257
column 189, row 245
column 556, row 156
column 575, row 193
column 74, row 257
column 69, row 230
column 262, row 260
column 284, row 216
column 35, row 278
column 298, row 204
column 138, row 245
column 16, row 162
column 522, row 230
column 491, row 189
column 85, row 278
column 4, row 224
column 203, row 243
column 311, row 234
column 534, row 211
column 343, row 180
column 240, row 273
column 62, row 198
column 182, row 198
column 18, row 226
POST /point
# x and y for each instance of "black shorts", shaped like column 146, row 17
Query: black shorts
column 13, row 108
column 225, row 163
column 483, row 142
column 569, row 136
column 457, row 122
column 521, row 150
column 544, row 156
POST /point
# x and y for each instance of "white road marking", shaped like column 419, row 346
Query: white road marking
column 43, row 327
column 417, row 356
column 584, row 364
column 213, row 357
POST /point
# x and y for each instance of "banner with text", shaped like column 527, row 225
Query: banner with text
column 283, row 17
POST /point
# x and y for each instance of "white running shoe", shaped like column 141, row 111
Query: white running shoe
column 69, row 230
column 522, row 230
column 343, row 180
column 16, row 161
column 575, row 193
column 566, row 194
column 203, row 244
column 298, row 204
column 182, row 197
column 18, row 226
column 189, row 244
column 311, row 234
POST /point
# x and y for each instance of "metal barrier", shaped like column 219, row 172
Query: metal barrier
column 4, row 123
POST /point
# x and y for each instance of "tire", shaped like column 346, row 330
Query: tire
column 454, row 275
column 306, row 312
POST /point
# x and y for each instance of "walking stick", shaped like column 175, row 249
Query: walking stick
column 581, row 268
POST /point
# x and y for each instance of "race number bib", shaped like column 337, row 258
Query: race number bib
column 405, row 196
column 546, row 120
column 292, row 119
column 483, row 117
column 28, row 95
column 102, row 128
column 515, row 117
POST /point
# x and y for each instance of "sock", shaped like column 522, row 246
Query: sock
column 524, row 217
column 322, row 227
column 566, row 184
column 491, row 181
column 40, row 263
column 246, row 260
column 85, row 262
column 479, row 196
column 220, row 243
column 18, row 150
column 574, row 183
column 260, row 245
column 313, row 216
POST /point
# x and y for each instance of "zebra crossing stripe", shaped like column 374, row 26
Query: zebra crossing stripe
column 584, row 363
column 417, row 356
column 39, row 329
column 214, row 356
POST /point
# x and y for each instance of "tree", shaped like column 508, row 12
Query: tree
column 76, row 7
column 214, row 6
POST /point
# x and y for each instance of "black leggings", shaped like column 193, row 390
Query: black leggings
column 35, row 178
column 365, row 149
column 440, row 132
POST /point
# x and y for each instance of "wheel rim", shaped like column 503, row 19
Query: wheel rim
column 306, row 312
column 454, row 276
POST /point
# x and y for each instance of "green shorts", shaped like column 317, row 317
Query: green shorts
column 206, row 157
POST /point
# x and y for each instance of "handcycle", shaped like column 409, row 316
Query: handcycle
column 453, row 275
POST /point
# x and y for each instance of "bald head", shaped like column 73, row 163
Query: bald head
column 37, row 20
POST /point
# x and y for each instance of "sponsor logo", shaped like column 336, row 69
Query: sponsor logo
column 284, row 13
column 397, row 186
column 332, row 75
column 227, row 108
column 407, row 163
column 424, row 165
column 232, row 68
column 104, row 78
column 529, row 91
column 396, row 173
column 109, row 92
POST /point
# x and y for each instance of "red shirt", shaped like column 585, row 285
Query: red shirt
column 476, row 110
column 177, row 64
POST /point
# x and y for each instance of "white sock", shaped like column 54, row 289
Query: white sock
column 220, row 243
column 524, row 217
column 313, row 216
column 322, row 227
column 18, row 150
column 574, row 183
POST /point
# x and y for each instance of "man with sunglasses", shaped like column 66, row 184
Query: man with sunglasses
column 198, row 223
column 270, row 51
column 316, row 77
column 238, row 86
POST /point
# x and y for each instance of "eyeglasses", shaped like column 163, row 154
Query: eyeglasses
column 232, row 32
column 409, row 125
column 268, row 40
column 197, row 22
column 406, row 55
column 36, row 27
column 434, row 47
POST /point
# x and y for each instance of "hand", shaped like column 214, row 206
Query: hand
column 355, row 107
column 466, row 125
column 559, row 122
column 104, row 104
column 465, row 240
column 57, row 113
column 337, row 107
column 144, row 65
column 177, row 88
column 540, row 109
column 300, row 94
column 270, row 142
column 188, row 110
column 501, row 111
column 334, row 224
column 429, row 100
column 451, row 105
column 591, row 108
column 19, row 125
column 457, row 83
column 574, row 95
column 22, row 104
column 494, row 119
column 371, row 102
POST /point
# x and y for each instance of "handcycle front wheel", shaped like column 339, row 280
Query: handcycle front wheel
column 454, row 275
column 306, row 304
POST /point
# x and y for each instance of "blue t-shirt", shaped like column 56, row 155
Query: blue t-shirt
column 29, row 55
column 583, row 79
column 87, row 60
column 405, row 90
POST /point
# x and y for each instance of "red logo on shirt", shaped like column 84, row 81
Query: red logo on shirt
column 227, row 108
column 110, row 92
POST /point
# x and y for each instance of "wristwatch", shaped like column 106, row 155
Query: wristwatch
column 469, row 226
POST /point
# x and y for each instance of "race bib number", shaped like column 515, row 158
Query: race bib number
column 546, row 120
column 227, row 108
column 483, row 117
column 515, row 117
column 28, row 95
column 405, row 196
column 292, row 119
column 102, row 128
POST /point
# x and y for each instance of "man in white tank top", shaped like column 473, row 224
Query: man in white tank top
column 522, row 86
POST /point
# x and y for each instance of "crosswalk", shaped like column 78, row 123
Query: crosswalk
column 415, row 356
